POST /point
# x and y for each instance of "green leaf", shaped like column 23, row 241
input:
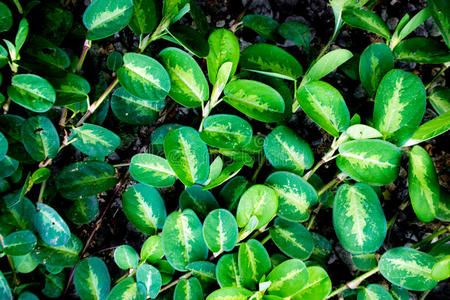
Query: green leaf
column 103, row 18
column 358, row 218
column 127, row 289
column 254, row 263
column 422, row 50
column 5, row 291
column 133, row 110
column 295, row 195
column 152, row 250
column 288, row 278
column 230, row 293
column 114, row 60
column 262, row 25
column 326, row 64
column 226, row 132
column 292, row 238
column 152, row 170
column 441, row 270
column 227, row 271
column 366, row 20
column 188, row 84
column 52, row 229
column 232, row 191
column 174, row 9
column 92, row 280
column 40, row 138
column 188, row 155
column 296, row 32
column 188, row 289
column 203, row 270
column 182, row 239
column 285, row 150
column 189, row 38
column 158, row 136
column 408, row 268
column 25, row 264
column 145, row 16
column 412, row 24
column 8, row 166
column 270, row 60
column 71, row 89
column 375, row 61
column 144, row 207
column 365, row 262
column 223, row 47
column 126, row 257
column 439, row 98
column 361, row 131
column 423, row 184
column 399, row 106
column 86, row 178
column 83, row 211
column 440, row 11
column 144, row 77
column 371, row 161
column 324, row 105
column 322, row 248
column 399, row 293
column 54, row 285
column 318, row 286
column 6, row 21
column 151, row 278
column 200, row 201
column 61, row 256
column 443, row 211
column 228, row 172
column 22, row 33
column 94, row 140
column 220, row 230
column 430, row 129
column 19, row 243
column 32, row 92
column 260, row 201
column 257, row 100
column 374, row 292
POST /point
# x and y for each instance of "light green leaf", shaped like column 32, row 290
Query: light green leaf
column 326, row 64
column 22, row 33
column 288, row 278
column 358, row 218
column 220, row 230
column 408, row 268
column 254, row 262
column 182, row 239
column 144, row 207
column 103, row 18
column 203, row 270
column 226, row 132
column 230, row 293
column 361, row 131
column 52, row 229
column 32, row 92
column 270, row 60
column 257, row 100
column 144, row 77
column 371, row 161
column 126, row 257
column 423, row 184
column 188, row 84
column 94, row 140
column 365, row 262
column 223, row 47
column 152, row 170
column 188, row 155
column 127, row 289
column 399, row 106
column 19, row 243
column 25, row 264
column 430, row 129
column 324, row 105
column 441, row 270
column 366, row 20
column 151, row 278
column 230, row 171
column 188, row 289
column 227, row 271
column 40, row 138
column 92, row 280
column 318, row 286
column 443, row 211
column 152, row 250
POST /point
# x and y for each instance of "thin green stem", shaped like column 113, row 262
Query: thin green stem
column 354, row 283
column 173, row 283
column 19, row 6
column 121, row 165
column 431, row 237
column 261, row 164
column 41, row 191
column 436, row 77
column 266, row 239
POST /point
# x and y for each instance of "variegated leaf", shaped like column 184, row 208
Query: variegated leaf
column 361, row 131
column 254, row 262
column 223, row 47
column 19, row 243
column 40, row 138
column 94, row 140
column 151, row 278
column 220, row 230
column 188, row 289
column 59, row 256
column 227, row 271
column 152, row 170
column 230, row 293
column 199, row 200
column 439, row 98
column 52, row 229
column 430, row 129
column 205, row 271
column 288, row 278
column 374, row 292
column 70, row 89
column 366, row 20
column 92, row 280
column 126, row 257
column 151, row 250
column 127, row 289
column 5, row 291
column 318, row 286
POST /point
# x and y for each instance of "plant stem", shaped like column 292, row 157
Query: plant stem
column 63, row 118
column 86, row 46
column 41, row 191
column 173, row 283
column 261, row 164
column 97, row 103
column 436, row 77
column 121, row 165
column 266, row 239
column 6, row 106
column 19, row 6
column 354, row 283
column 431, row 237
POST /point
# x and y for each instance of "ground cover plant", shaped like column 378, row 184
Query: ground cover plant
column 183, row 139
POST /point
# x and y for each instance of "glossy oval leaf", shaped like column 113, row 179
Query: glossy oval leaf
column 441, row 270
column 6, row 18
column 230, row 293
column 227, row 271
column 126, row 257
column 423, row 184
column 358, row 218
column 324, row 105
column 318, row 286
column 188, row 289
column 430, row 129
column 151, row 278
column 285, row 150
column 94, row 140
column 71, row 89
column 408, row 268
column 199, row 200
column 19, row 243
column 152, row 170
column 439, row 98
column 144, row 207
column 399, row 106
column 188, row 84
column 422, row 50
column 52, row 229
column 83, row 211
column 103, row 18
column 87, row 178
column 145, row 16
column 40, row 138
column 259, row 201
column 270, row 60
column 254, row 262
column 220, row 230
column 292, row 238
column 257, row 100
column 326, row 64
column 226, row 132
column 182, row 239
column 59, row 256
column 204, row 271
column 361, row 131
column 152, row 250
column 32, row 92
column 371, row 161
column 366, row 20
column 188, row 155
column 144, row 77
column 127, row 289
column 223, row 47
column 288, row 278
column 372, row 292
column 92, row 280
